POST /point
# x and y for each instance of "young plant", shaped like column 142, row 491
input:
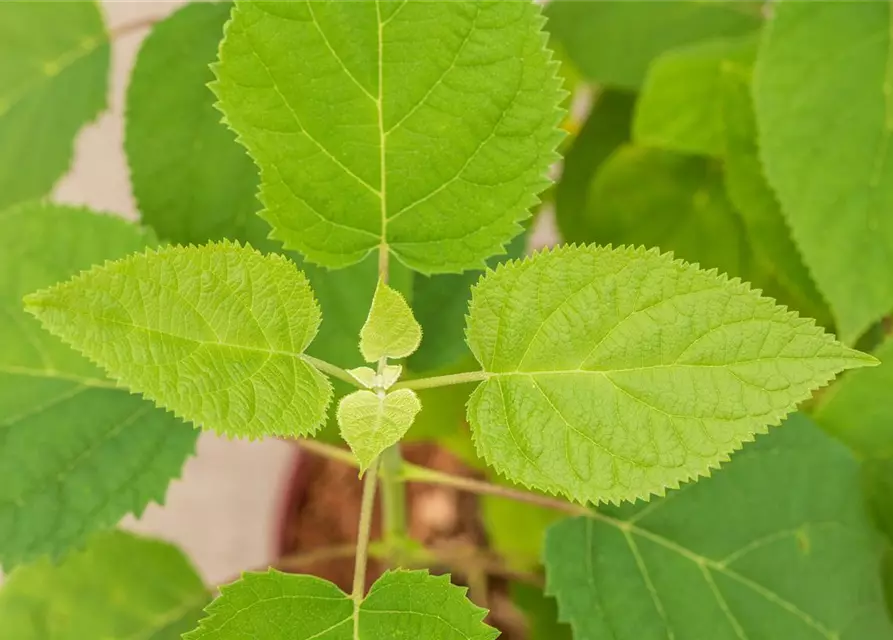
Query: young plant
column 399, row 149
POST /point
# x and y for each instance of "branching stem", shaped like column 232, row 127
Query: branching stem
column 370, row 483
column 331, row 370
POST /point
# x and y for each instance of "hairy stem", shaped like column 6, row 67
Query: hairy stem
column 443, row 381
column 331, row 370
column 370, row 483
column 393, row 498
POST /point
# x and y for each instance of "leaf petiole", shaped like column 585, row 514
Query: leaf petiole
column 443, row 381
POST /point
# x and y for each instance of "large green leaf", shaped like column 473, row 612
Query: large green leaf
column 658, row 198
column 614, row 41
column 192, row 182
column 773, row 546
column 76, row 453
column 825, row 118
column 438, row 125
column 606, row 128
column 401, row 604
column 680, row 107
column 54, row 64
column 121, row 587
column 859, row 409
column 782, row 272
column 611, row 374
column 215, row 333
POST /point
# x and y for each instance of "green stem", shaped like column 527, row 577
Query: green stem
column 442, row 381
column 370, row 483
column 331, row 370
column 393, row 498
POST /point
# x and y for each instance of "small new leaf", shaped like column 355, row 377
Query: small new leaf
column 616, row 373
column 120, row 586
column 369, row 378
column 390, row 331
column 373, row 421
column 216, row 334
column 401, row 604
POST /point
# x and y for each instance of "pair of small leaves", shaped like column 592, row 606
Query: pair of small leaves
column 749, row 554
column 119, row 586
column 610, row 374
column 76, row 452
column 401, row 604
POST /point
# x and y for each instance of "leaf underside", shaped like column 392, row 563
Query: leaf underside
column 774, row 546
column 215, row 333
column 76, row 453
column 438, row 129
column 119, row 586
column 613, row 374
column 401, row 604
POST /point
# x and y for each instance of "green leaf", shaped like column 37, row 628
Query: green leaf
column 773, row 546
column 858, row 409
column 439, row 303
column 401, row 604
column 613, row 42
column 216, row 334
column 680, row 107
column 783, row 274
column 606, row 128
column 826, row 153
column 54, row 65
column 191, row 181
column 615, row 373
column 541, row 612
column 120, row 587
column 369, row 377
column 439, row 124
column 371, row 422
column 76, row 453
column 390, row 330
column 658, row 198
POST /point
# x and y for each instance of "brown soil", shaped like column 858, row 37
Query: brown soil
column 323, row 507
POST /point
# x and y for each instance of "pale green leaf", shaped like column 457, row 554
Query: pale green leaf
column 773, row 547
column 438, row 127
column 606, row 128
column 191, row 181
column 439, row 303
column 825, row 121
column 54, row 65
column 859, row 409
column 216, row 334
column 680, row 107
column 541, row 612
column 401, row 604
column 371, row 422
column 121, row 587
column 76, row 453
column 783, row 274
column 614, row 41
column 369, row 377
column 612, row 374
column 390, row 331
